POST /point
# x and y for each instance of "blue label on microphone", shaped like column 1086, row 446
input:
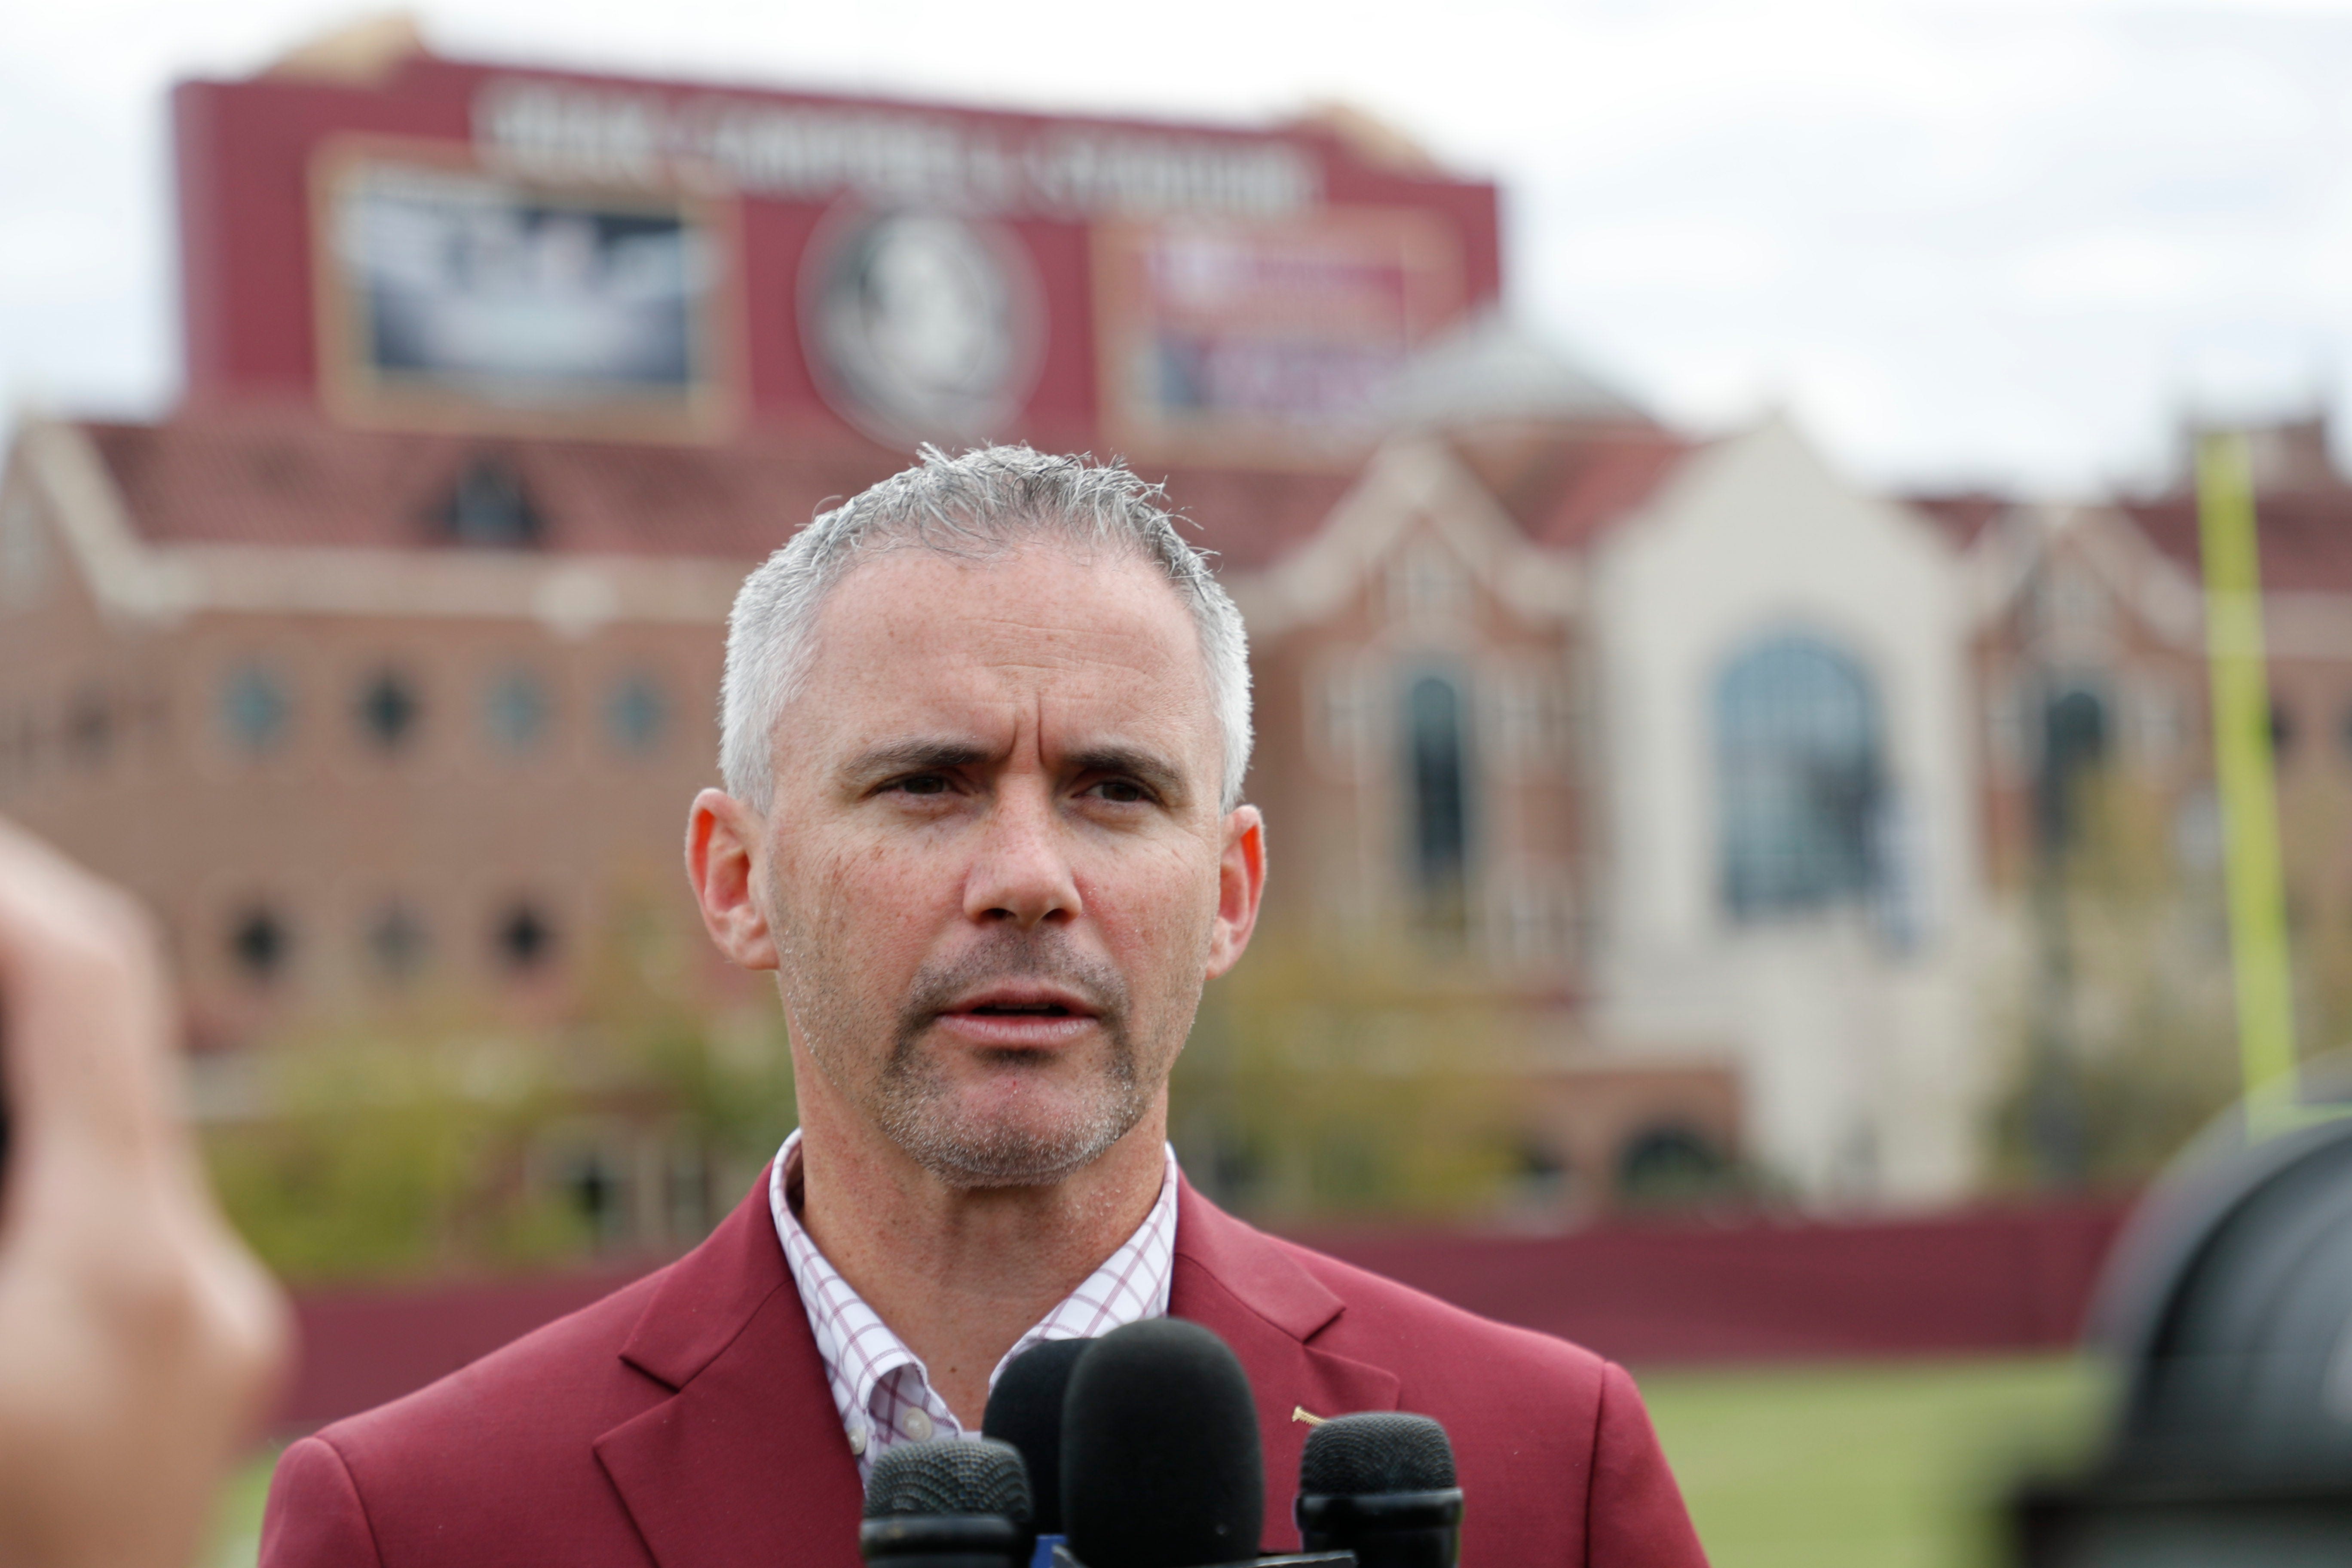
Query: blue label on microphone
column 1046, row 1544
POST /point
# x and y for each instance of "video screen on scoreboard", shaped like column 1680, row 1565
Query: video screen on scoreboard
column 1264, row 340
column 451, row 294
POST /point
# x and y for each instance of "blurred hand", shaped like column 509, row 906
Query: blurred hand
column 140, row 1341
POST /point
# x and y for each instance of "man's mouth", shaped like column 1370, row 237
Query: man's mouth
column 1006, row 1014
column 1031, row 1006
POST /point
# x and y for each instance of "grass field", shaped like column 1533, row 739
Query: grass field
column 1891, row 1466
column 1817, row 1467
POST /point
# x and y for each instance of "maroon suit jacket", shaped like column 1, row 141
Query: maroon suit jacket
column 685, row 1421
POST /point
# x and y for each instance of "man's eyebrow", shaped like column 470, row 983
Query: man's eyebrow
column 923, row 754
column 1147, row 768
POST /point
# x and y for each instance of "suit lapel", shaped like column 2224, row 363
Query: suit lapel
column 746, row 1466
column 1249, row 1290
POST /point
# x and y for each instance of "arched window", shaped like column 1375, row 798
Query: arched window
column 1438, row 763
column 91, row 727
column 636, row 710
column 1800, row 778
column 516, row 708
column 1671, row 1164
column 2074, row 744
column 255, row 709
column 597, row 1181
column 490, row 507
column 523, row 937
column 396, row 941
column 389, row 710
column 260, row 943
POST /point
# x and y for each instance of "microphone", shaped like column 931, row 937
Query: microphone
column 1380, row 1484
column 1024, row 1409
column 1161, row 1463
column 953, row 1502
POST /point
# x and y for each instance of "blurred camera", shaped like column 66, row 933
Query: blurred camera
column 2230, row 1308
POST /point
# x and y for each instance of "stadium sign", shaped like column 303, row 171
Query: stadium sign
column 467, row 246
column 815, row 151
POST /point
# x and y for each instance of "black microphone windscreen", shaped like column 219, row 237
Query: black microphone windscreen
column 948, row 1475
column 1376, row 1451
column 1024, row 1409
column 1161, row 1462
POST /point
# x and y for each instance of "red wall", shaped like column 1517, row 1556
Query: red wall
column 1989, row 1282
column 1997, row 1280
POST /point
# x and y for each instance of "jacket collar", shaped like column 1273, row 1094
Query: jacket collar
column 1261, row 1301
column 706, row 1297
column 746, row 1463
column 1249, row 1267
column 746, row 1466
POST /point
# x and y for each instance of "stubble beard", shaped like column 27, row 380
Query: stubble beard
column 910, row 1096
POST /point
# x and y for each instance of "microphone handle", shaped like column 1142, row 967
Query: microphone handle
column 944, row 1540
column 1062, row 1559
column 1384, row 1530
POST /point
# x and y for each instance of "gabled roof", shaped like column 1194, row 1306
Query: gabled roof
column 294, row 482
column 288, row 479
column 2302, row 506
column 280, row 506
column 1963, row 515
column 1252, row 519
column 1564, row 487
column 2305, row 537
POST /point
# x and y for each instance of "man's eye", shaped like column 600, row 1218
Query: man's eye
column 924, row 784
column 1124, row 792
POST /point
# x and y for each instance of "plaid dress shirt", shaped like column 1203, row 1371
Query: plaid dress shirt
column 880, row 1387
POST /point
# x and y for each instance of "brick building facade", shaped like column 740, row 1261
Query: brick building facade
column 386, row 677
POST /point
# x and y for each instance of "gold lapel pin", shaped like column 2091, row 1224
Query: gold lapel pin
column 1300, row 1413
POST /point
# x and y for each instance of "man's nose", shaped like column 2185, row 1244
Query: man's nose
column 1024, row 873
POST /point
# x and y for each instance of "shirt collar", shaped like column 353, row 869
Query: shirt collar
column 878, row 1382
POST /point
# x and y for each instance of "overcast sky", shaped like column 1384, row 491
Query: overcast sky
column 2004, row 243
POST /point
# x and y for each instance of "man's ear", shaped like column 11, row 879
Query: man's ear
column 720, row 835
column 1241, row 883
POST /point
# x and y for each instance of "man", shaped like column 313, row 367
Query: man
column 139, row 1342
column 985, row 732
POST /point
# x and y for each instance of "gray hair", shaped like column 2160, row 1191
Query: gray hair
column 977, row 506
